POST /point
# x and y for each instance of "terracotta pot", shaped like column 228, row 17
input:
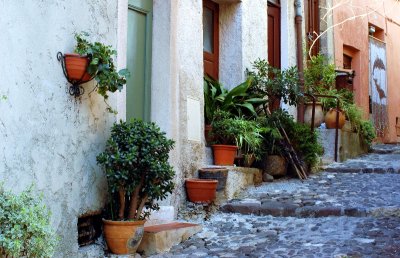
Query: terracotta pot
column 123, row 237
column 76, row 66
column 207, row 134
column 216, row 173
column 319, row 114
column 201, row 190
column 330, row 119
column 276, row 165
column 224, row 154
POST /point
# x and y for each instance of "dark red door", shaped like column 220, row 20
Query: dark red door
column 274, row 44
column 274, row 36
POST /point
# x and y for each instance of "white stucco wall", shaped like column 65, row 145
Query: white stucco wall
column 288, row 42
column 48, row 137
column 243, row 38
column 177, row 74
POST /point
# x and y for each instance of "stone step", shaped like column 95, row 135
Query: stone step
column 160, row 238
column 385, row 149
column 370, row 163
column 281, row 209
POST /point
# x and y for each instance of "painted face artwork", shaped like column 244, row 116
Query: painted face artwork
column 378, row 86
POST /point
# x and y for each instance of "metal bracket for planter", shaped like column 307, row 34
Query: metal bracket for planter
column 75, row 89
column 313, row 98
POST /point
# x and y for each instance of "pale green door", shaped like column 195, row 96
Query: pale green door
column 139, row 59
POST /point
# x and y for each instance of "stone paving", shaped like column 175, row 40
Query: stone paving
column 332, row 214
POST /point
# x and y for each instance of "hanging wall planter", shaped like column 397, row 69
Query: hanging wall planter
column 92, row 60
column 75, row 71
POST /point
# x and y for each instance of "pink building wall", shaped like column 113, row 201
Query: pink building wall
column 352, row 38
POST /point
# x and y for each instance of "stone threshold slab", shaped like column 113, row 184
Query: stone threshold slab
column 160, row 238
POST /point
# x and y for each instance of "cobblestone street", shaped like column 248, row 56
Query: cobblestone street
column 350, row 210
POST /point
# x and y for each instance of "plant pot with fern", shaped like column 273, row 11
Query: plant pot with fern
column 138, row 173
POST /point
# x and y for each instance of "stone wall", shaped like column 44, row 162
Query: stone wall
column 48, row 137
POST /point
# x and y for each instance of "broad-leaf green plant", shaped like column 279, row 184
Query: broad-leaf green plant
column 136, row 165
column 239, row 101
column 25, row 229
column 101, row 66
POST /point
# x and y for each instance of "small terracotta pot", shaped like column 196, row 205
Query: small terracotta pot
column 201, row 190
column 123, row 237
column 224, row 154
column 76, row 66
column 330, row 119
column 318, row 116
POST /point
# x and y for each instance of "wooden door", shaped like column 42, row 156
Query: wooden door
column 312, row 25
column 139, row 59
column 274, row 44
column 377, row 85
column 211, row 38
column 274, row 35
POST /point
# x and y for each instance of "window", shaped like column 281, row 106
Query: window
column 347, row 61
column 211, row 38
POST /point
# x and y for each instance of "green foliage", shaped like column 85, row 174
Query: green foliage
column 244, row 133
column 319, row 76
column 345, row 96
column 367, row 131
column 273, row 82
column 3, row 97
column 239, row 101
column 101, row 66
column 214, row 96
column 136, row 162
column 25, row 226
column 304, row 142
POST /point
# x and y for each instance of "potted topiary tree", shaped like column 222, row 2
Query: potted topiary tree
column 138, row 173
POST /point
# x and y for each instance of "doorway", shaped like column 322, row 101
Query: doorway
column 139, row 59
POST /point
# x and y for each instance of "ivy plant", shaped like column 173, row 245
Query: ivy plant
column 25, row 229
column 101, row 66
column 136, row 165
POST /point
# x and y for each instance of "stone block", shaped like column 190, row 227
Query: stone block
column 160, row 238
column 317, row 212
column 242, row 208
column 278, row 209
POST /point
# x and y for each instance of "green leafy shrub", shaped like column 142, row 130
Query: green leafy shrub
column 319, row 75
column 304, row 142
column 367, row 131
column 275, row 83
column 101, row 66
column 25, row 226
column 137, row 169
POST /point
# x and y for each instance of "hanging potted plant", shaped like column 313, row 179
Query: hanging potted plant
column 138, row 173
column 93, row 60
